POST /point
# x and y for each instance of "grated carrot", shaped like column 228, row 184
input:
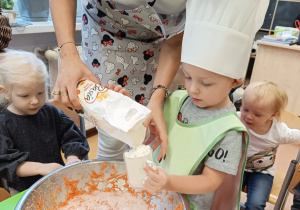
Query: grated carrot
column 180, row 207
column 103, row 166
column 92, row 185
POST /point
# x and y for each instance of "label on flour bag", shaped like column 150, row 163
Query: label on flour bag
column 93, row 92
column 116, row 114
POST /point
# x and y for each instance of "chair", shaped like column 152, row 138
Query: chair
column 277, row 183
column 291, row 179
column 78, row 120
column 3, row 194
column 4, row 191
column 292, row 176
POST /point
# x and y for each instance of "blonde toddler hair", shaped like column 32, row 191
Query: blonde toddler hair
column 261, row 89
column 20, row 67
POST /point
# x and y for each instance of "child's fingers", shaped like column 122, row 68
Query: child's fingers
column 152, row 166
column 151, row 186
column 153, row 175
column 73, row 161
column 57, row 167
column 147, row 169
column 148, row 186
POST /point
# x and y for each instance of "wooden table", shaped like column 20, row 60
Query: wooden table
column 280, row 64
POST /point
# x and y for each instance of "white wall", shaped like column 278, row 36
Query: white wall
column 28, row 42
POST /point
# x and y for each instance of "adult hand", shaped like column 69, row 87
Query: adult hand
column 155, row 181
column 71, row 71
column 156, row 123
column 47, row 168
column 168, row 65
column 72, row 159
column 118, row 88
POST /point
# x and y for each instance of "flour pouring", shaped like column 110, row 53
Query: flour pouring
column 116, row 114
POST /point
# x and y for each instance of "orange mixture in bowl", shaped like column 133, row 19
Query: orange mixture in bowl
column 101, row 192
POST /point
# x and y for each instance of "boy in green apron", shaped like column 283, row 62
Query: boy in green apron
column 205, row 157
column 205, row 138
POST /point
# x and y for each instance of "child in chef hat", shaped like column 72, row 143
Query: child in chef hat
column 32, row 132
column 206, row 150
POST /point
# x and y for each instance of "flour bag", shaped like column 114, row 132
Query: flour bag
column 116, row 114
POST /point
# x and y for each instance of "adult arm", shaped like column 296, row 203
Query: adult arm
column 72, row 69
column 168, row 65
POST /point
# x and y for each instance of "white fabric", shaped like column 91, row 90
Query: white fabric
column 162, row 7
column 110, row 148
column 278, row 134
column 168, row 7
column 218, row 34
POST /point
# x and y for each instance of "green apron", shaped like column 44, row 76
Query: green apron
column 189, row 144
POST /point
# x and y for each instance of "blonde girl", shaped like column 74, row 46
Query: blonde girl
column 262, row 105
column 32, row 132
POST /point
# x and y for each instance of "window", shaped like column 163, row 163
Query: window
column 79, row 9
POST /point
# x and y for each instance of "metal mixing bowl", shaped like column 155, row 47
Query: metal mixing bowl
column 46, row 194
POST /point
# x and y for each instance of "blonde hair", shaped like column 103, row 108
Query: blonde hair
column 20, row 67
column 261, row 89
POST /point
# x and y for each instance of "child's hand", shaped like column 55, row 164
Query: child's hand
column 72, row 159
column 118, row 88
column 156, row 180
column 47, row 168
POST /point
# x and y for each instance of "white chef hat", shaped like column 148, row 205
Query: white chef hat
column 219, row 34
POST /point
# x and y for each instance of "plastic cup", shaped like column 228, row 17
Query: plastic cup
column 134, row 162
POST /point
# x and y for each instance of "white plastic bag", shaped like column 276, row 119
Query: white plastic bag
column 116, row 114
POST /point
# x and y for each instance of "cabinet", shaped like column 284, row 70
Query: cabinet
column 276, row 62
